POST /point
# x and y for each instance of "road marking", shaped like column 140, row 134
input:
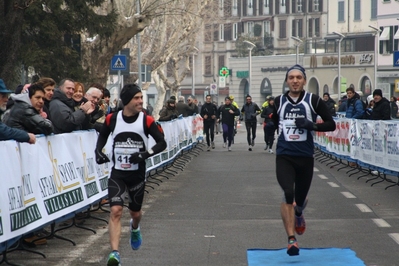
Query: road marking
column 332, row 184
column 395, row 236
column 348, row 195
column 315, row 169
column 322, row 176
column 381, row 223
column 363, row 208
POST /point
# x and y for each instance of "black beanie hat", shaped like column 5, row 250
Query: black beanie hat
column 128, row 92
column 326, row 93
column 295, row 67
column 377, row 92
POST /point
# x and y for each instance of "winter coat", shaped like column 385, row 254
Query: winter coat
column 331, row 106
column 250, row 111
column 168, row 113
column 24, row 116
column 183, row 108
column 266, row 114
column 193, row 109
column 8, row 133
column 63, row 114
column 354, row 107
column 381, row 110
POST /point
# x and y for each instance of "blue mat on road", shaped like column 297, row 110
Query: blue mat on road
column 307, row 257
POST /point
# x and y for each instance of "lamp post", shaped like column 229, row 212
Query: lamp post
column 376, row 48
column 193, row 72
column 252, row 46
column 297, row 43
column 339, row 61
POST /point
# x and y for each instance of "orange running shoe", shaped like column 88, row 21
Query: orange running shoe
column 293, row 249
column 300, row 224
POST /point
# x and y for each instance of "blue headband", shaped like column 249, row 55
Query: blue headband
column 296, row 67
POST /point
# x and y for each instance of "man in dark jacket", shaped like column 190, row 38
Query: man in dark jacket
column 25, row 113
column 193, row 107
column 182, row 107
column 354, row 106
column 48, row 85
column 209, row 113
column 381, row 109
column 330, row 103
column 169, row 112
column 250, row 110
column 228, row 112
column 62, row 112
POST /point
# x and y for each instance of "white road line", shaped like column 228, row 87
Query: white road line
column 363, row 208
column 332, row 184
column 381, row 223
column 322, row 176
column 315, row 169
column 395, row 236
column 348, row 195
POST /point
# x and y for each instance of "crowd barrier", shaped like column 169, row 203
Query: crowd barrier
column 59, row 176
column 371, row 144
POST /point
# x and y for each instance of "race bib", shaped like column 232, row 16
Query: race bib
column 122, row 156
column 292, row 133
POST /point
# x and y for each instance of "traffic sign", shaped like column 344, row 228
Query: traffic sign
column 118, row 62
column 224, row 72
column 126, row 72
column 396, row 58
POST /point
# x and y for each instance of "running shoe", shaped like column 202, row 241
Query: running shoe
column 293, row 249
column 300, row 224
column 224, row 145
column 209, row 148
column 266, row 147
column 114, row 259
column 229, row 148
column 213, row 145
column 253, row 143
column 135, row 237
column 270, row 151
column 250, row 148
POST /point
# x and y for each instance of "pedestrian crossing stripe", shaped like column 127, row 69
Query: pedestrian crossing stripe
column 118, row 64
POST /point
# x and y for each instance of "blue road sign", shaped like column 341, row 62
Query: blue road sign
column 396, row 58
column 118, row 62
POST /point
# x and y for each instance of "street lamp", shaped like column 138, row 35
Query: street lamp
column 339, row 62
column 252, row 46
column 193, row 72
column 376, row 48
column 297, row 43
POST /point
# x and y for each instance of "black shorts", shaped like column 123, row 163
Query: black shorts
column 132, row 186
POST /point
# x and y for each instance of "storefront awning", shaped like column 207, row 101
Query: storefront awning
column 385, row 34
column 396, row 36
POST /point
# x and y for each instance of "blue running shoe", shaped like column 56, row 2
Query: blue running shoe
column 135, row 237
column 114, row 259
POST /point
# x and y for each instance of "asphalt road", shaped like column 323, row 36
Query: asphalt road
column 220, row 203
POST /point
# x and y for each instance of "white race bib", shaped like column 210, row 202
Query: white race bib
column 292, row 133
column 122, row 156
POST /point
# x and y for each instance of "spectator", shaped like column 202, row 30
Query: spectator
column 182, row 108
column 6, row 132
column 97, row 117
column 62, row 109
column 150, row 109
column 193, row 106
column 343, row 104
column 381, row 110
column 199, row 104
column 330, row 103
column 25, row 112
column 354, row 107
column 169, row 112
column 394, row 108
column 48, row 85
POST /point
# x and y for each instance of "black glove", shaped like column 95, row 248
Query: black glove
column 101, row 157
column 139, row 157
column 241, row 118
column 304, row 123
column 173, row 117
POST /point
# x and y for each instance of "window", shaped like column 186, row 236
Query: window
column 266, row 3
column 341, row 11
column 348, row 45
column 357, row 10
column 208, row 33
column 331, row 46
column 310, row 5
column 266, row 26
column 282, row 2
column 317, row 27
column 221, row 32
column 208, row 65
column 310, row 28
column 316, row 5
column 227, row 32
column 266, row 7
column 235, row 31
column 373, row 9
column 215, row 32
column 294, row 29
column 221, row 7
column 283, row 29
column 250, row 27
column 221, row 61
column 299, row 6
column 300, row 30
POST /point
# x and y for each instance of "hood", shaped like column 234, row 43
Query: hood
column 59, row 95
column 382, row 101
column 23, row 97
